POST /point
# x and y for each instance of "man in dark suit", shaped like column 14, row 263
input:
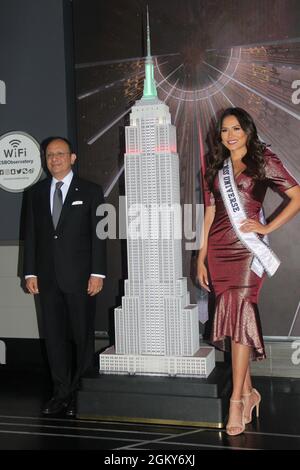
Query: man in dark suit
column 64, row 262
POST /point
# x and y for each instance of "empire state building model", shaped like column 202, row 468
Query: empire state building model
column 156, row 328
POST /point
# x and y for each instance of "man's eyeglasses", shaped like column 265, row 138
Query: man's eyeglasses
column 57, row 154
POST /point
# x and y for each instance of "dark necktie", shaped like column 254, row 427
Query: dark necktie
column 57, row 203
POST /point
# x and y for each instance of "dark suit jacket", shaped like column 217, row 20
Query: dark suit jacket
column 72, row 252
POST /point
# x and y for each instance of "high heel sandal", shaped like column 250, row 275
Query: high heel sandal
column 256, row 404
column 239, row 425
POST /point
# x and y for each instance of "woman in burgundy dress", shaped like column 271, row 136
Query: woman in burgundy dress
column 235, row 284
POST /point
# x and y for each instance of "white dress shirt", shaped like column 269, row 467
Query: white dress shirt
column 64, row 189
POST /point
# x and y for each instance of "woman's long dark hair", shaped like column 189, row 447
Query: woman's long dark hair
column 254, row 158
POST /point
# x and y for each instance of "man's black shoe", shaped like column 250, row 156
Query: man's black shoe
column 55, row 405
column 71, row 409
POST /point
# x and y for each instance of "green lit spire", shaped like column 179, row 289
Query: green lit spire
column 149, row 82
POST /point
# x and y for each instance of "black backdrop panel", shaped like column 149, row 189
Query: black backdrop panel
column 37, row 68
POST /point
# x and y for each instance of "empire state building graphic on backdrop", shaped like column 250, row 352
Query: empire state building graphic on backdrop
column 156, row 327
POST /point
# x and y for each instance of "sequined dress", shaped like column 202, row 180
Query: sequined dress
column 235, row 286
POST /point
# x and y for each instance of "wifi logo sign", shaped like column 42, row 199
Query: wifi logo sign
column 20, row 162
column 15, row 150
column 15, row 143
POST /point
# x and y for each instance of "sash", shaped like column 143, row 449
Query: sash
column 264, row 258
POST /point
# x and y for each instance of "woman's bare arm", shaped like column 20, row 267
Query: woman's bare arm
column 201, row 268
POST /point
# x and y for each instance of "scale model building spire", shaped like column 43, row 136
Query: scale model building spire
column 149, row 82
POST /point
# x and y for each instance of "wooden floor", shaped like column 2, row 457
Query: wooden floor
column 23, row 427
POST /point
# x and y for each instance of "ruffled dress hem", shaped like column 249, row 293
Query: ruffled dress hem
column 237, row 319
